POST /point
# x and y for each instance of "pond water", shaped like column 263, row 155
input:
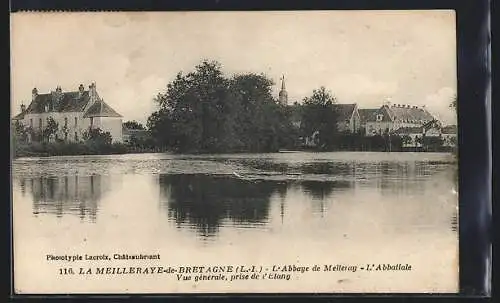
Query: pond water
column 251, row 209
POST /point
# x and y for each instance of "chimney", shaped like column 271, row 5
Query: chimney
column 34, row 94
column 56, row 98
column 93, row 96
column 23, row 108
column 57, row 92
column 81, row 89
column 92, row 89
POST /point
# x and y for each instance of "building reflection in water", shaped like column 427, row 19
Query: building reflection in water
column 405, row 178
column 68, row 195
column 205, row 201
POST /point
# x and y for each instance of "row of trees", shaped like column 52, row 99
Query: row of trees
column 23, row 134
column 205, row 111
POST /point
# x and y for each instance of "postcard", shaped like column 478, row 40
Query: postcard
column 234, row 152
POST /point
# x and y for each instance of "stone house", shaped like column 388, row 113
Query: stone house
column 74, row 112
column 389, row 118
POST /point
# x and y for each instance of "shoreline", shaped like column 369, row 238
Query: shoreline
column 137, row 152
column 56, row 149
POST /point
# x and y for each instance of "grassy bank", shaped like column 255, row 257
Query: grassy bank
column 44, row 149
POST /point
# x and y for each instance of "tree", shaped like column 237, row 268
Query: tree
column 191, row 106
column 406, row 140
column 261, row 123
column 97, row 137
column 453, row 103
column 133, row 125
column 419, row 140
column 50, row 130
column 318, row 114
column 160, row 126
column 206, row 112
column 19, row 133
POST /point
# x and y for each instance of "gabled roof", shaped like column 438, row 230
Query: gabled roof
column 101, row 109
column 387, row 115
column 344, row 111
column 368, row 114
column 64, row 102
column 19, row 116
column 410, row 113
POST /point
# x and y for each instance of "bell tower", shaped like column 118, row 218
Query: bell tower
column 283, row 95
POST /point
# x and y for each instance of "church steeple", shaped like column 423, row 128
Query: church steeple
column 283, row 95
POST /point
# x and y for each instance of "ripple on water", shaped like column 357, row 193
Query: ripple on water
column 279, row 166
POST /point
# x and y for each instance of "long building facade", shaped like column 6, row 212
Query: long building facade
column 409, row 121
column 390, row 118
column 74, row 112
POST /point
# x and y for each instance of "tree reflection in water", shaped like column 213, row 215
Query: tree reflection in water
column 320, row 190
column 204, row 201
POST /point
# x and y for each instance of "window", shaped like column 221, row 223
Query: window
column 31, row 122
column 66, row 121
column 379, row 117
column 76, row 121
column 40, row 123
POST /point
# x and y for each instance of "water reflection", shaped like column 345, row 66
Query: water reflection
column 205, row 201
column 269, row 188
column 323, row 190
column 415, row 169
column 359, row 206
column 73, row 195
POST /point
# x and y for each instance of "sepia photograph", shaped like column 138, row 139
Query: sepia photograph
column 234, row 152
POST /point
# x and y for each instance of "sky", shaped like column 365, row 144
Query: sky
column 363, row 57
